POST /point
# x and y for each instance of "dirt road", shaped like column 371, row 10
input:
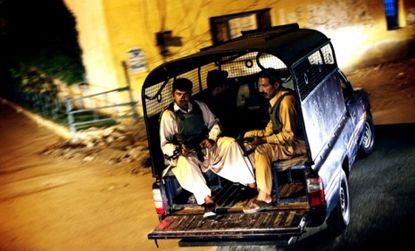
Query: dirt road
column 391, row 88
column 50, row 204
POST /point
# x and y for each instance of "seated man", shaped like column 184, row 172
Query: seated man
column 279, row 140
column 221, row 100
column 189, row 135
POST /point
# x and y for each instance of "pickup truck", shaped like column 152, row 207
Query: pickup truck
column 309, row 189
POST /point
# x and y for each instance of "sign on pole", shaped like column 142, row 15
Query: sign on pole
column 136, row 60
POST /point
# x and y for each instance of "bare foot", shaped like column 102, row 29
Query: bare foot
column 262, row 196
column 252, row 185
column 208, row 200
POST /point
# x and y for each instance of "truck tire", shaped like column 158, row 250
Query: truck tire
column 368, row 140
column 340, row 216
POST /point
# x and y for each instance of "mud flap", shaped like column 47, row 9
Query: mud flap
column 232, row 226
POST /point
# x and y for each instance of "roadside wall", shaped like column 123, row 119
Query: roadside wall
column 111, row 31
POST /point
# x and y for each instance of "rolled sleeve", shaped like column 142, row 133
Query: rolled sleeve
column 211, row 122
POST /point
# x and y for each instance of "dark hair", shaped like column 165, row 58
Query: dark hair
column 182, row 84
column 272, row 74
column 216, row 78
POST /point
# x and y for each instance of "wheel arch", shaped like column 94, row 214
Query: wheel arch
column 346, row 166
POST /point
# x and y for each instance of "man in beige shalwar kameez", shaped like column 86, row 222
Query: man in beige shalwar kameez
column 189, row 137
column 278, row 141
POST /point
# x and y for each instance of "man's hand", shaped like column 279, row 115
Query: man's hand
column 185, row 151
column 207, row 143
column 256, row 141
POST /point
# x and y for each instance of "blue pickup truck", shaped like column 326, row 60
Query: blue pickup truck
column 309, row 189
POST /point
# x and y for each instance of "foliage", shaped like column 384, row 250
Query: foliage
column 43, row 36
column 67, row 68
column 31, row 80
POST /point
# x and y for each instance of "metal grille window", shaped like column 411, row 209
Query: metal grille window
column 315, row 59
column 157, row 100
column 159, row 95
column 313, row 69
column 247, row 65
column 327, row 54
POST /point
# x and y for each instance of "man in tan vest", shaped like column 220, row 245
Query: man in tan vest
column 279, row 140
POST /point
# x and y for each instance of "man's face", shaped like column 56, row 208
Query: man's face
column 181, row 98
column 218, row 90
column 266, row 88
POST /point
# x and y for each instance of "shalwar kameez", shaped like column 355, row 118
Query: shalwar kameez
column 225, row 158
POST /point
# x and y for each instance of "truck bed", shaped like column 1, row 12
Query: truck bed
column 284, row 218
column 233, row 197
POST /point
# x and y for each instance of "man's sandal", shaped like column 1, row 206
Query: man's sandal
column 210, row 210
column 256, row 206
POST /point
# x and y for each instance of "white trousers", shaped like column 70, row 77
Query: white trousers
column 225, row 159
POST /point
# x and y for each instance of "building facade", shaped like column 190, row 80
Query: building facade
column 145, row 33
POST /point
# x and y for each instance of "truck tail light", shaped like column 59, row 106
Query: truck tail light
column 315, row 191
column 158, row 199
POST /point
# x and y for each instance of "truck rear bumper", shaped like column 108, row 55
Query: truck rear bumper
column 282, row 224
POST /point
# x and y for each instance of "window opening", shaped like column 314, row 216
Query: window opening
column 227, row 27
column 391, row 13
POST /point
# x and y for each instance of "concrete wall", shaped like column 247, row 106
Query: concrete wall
column 108, row 29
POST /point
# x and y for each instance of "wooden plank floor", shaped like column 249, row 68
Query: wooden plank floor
column 232, row 198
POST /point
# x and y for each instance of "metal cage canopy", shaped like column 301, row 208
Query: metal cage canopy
column 287, row 42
